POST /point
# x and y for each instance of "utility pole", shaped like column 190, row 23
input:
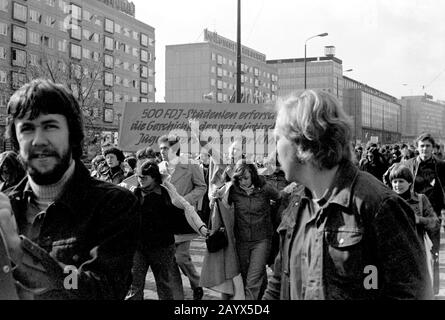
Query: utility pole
column 238, row 56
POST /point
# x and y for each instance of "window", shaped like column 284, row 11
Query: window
column 144, row 99
column 108, row 79
column 63, row 26
column 94, row 37
column 62, row 66
column 34, row 60
column 144, row 71
column 135, row 52
column 50, row 21
column 76, row 71
column 126, row 82
column 108, row 115
column 34, row 38
column 151, row 41
column 4, row 5
column 150, row 72
column 3, row 29
column 108, row 61
column 18, row 79
column 48, row 42
column 219, row 59
column 2, row 53
column 86, row 15
column 108, row 96
column 76, row 31
column 117, row 97
column 219, row 72
column 51, row 3
column 144, row 40
column 18, row 35
column 86, row 34
column 62, row 45
column 117, row 28
column 117, row 80
column 127, row 32
column 126, row 65
column 2, row 77
column 76, row 12
column 127, row 48
column 75, row 51
column 86, row 53
column 144, row 55
column 34, row 16
column 109, row 43
column 135, row 84
column 135, row 35
column 95, row 56
column 109, row 25
column 144, row 87
column 117, row 63
column 20, row 12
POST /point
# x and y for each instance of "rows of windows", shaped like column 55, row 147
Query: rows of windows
column 221, row 60
column 220, row 72
column 379, row 113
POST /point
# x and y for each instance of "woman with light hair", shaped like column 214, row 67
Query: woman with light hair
column 348, row 236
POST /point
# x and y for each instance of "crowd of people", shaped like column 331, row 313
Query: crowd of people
column 318, row 216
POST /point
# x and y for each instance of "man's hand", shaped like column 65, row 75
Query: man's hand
column 8, row 227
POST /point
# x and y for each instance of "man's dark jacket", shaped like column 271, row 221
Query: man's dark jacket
column 93, row 226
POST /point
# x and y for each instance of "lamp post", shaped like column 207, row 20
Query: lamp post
column 305, row 45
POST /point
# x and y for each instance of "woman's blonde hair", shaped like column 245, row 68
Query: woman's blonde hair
column 318, row 126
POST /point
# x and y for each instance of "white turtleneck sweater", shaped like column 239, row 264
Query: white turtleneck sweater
column 46, row 194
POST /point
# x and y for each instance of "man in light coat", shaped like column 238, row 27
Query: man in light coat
column 188, row 178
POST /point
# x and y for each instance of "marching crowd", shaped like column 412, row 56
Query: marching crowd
column 318, row 215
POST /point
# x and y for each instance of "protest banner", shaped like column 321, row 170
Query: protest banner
column 143, row 124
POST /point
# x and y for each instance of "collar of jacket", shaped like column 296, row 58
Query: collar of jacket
column 339, row 193
column 72, row 197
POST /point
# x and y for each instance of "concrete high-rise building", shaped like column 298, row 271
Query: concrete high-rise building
column 421, row 114
column 322, row 73
column 96, row 48
column 206, row 72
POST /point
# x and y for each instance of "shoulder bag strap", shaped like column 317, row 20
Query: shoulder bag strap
column 219, row 212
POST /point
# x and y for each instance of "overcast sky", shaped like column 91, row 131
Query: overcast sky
column 396, row 46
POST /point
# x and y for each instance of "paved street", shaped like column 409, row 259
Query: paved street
column 198, row 249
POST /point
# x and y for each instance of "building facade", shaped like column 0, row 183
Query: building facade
column 376, row 116
column 206, row 71
column 421, row 114
column 322, row 73
column 96, row 48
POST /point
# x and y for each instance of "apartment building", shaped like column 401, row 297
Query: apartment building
column 95, row 47
column 206, row 72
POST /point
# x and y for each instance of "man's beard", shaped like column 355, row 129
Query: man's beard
column 52, row 176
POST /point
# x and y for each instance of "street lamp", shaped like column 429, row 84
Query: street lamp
column 305, row 45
